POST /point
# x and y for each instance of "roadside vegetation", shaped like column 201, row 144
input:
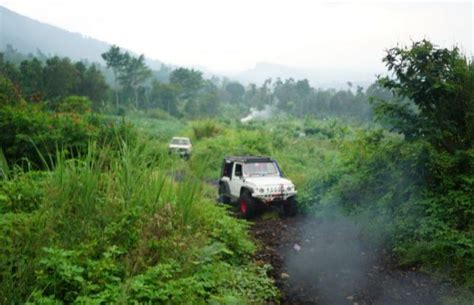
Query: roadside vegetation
column 94, row 210
column 113, row 226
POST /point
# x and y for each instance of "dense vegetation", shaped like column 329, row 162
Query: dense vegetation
column 94, row 210
column 126, row 83
column 108, row 223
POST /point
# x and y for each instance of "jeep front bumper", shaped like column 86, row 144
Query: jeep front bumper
column 180, row 151
column 271, row 197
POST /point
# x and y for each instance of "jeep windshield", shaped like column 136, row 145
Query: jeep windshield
column 260, row 169
column 180, row 141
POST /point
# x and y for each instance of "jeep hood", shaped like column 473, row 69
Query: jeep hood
column 267, row 181
column 179, row 146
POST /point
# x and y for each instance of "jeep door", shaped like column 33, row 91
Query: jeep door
column 237, row 180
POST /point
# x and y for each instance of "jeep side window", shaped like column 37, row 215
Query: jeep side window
column 238, row 170
column 227, row 169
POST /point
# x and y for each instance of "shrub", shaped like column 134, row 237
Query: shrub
column 32, row 135
column 8, row 93
column 158, row 114
column 205, row 129
column 75, row 104
column 209, row 153
column 23, row 193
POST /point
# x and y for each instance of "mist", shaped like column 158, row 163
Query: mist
column 328, row 43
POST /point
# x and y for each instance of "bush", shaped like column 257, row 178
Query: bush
column 30, row 134
column 23, row 193
column 209, row 153
column 205, row 129
column 9, row 95
column 158, row 114
column 75, row 104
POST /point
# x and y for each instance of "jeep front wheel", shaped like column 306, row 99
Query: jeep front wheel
column 290, row 207
column 246, row 205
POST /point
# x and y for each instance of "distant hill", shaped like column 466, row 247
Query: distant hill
column 28, row 35
column 320, row 78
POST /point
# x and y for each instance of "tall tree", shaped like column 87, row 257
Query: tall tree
column 236, row 91
column 93, row 85
column 135, row 72
column 9, row 69
column 165, row 96
column 115, row 60
column 31, row 79
column 435, row 95
column 189, row 81
column 60, row 78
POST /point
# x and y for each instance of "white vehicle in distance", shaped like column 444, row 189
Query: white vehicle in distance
column 181, row 146
column 256, row 182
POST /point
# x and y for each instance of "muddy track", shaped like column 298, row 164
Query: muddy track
column 327, row 264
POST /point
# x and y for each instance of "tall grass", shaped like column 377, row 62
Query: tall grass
column 205, row 129
column 123, row 222
column 91, row 201
column 4, row 168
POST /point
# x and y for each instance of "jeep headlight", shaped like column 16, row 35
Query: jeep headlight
column 261, row 190
column 289, row 188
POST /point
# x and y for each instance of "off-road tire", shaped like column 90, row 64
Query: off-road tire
column 223, row 197
column 246, row 205
column 290, row 207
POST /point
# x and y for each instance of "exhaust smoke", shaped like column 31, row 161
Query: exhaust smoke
column 335, row 264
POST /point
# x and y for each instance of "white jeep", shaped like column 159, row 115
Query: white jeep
column 181, row 146
column 254, row 182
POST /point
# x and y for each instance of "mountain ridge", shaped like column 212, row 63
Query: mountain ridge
column 29, row 35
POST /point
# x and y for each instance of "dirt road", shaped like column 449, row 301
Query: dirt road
column 326, row 263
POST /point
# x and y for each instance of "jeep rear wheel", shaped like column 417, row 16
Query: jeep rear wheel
column 246, row 205
column 290, row 207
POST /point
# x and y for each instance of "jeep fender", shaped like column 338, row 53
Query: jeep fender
column 226, row 186
column 246, row 189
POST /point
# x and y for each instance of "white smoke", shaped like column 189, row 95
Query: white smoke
column 255, row 114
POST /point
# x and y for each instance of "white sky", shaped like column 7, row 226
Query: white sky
column 234, row 35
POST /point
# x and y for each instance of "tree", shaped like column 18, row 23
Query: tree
column 60, row 78
column 434, row 94
column 9, row 70
column 236, row 91
column 93, row 85
column 115, row 60
column 165, row 96
column 134, row 73
column 209, row 104
column 31, row 79
column 189, row 81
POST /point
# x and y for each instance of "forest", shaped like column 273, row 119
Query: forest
column 126, row 83
column 93, row 209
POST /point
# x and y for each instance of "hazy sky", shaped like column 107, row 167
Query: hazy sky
column 234, row 35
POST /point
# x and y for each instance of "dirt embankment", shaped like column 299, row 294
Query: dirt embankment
column 326, row 263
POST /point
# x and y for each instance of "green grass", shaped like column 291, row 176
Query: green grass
column 160, row 129
column 117, row 228
column 127, row 222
